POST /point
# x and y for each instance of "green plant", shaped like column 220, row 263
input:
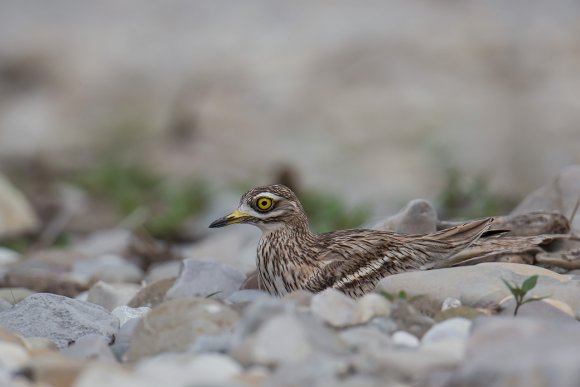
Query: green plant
column 402, row 295
column 520, row 292
column 129, row 187
column 327, row 212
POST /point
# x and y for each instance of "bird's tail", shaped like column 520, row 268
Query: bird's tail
column 446, row 243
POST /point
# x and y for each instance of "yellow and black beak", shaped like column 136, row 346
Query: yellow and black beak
column 233, row 218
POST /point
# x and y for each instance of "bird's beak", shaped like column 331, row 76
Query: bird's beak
column 233, row 218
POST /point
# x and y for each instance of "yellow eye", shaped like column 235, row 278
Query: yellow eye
column 264, row 203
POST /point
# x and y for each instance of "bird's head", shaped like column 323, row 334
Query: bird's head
column 269, row 207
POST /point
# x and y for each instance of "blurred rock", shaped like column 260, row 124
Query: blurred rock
column 13, row 357
column 213, row 344
column 201, row 370
column 410, row 319
column 14, row 295
column 333, row 307
column 547, row 308
column 174, row 325
column 108, row 268
column 318, row 370
column 4, row 304
column 110, row 296
column 152, row 294
column 417, row 217
column 98, row 374
column 482, row 283
column 505, row 352
column 8, row 256
column 123, row 339
column 58, row 318
column 561, row 195
column 235, row 246
column 203, row 279
column 369, row 306
column 94, row 346
column 53, row 369
column 163, row 270
column 405, row 340
column 104, row 242
column 361, row 338
column 16, row 214
column 126, row 313
column 448, row 330
column 246, row 295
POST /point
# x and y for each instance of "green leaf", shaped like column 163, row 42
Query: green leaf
column 534, row 299
column 509, row 286
column 530, row 283
column 403, row 295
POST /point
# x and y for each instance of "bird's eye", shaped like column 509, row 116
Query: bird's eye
column 264, row 203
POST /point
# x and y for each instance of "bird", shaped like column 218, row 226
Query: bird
column 291, row 257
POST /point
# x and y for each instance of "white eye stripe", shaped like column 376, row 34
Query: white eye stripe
column 268, row 195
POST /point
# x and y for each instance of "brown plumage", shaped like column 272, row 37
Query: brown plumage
column 291, row 257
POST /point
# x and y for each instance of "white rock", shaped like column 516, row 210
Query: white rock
column 451, row 329
column 58, row 318
column 98, row 374
column 369, row 306
column 12, row 356
column 450, row 303
column 8, row 256
column 333, row 307
column 108, row 268
column 113, row 241
column 405, row 339
column 417, row 217
column 246, row 295
column 198, row 278
column 163, row 270
column 110, row 296
column 281, row 340
column 125, row 313
column 94, row 347
column 16, row 214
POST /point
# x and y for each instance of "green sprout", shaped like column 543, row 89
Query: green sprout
column 520, row 292
column 402, row 295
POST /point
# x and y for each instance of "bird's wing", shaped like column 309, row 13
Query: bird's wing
column 356, row 262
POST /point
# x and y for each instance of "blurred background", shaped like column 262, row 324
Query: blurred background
column 163, row 112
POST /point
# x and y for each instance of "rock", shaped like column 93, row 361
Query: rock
column 13, row 356
column 385, row 325
column 417, row 217
column 481, row 283
column 175, row 325
column 560, row 195
column 246, row 295
column 369, row 306
column 104, row 242
column 39, row 345
column 16, row 214
column 108, row 268
column 333, row 307
column 234, row 246
column 98, row 374
column 405, row 340
column 205, row 369
column 110, row 296
column 362, row 338
column 545, row 308
column 14, row 295
column 152, row 294
column 409, row 319
column 4, row 304
column 94, row 347
column 58, row 318
column 54, row 369
column 123, row 339
column 465, row 312
column 8, row 256
column 46, row 271
column 214, row 344
column 451, row 329
column 315, row 371
column 163, row 270
column 252, row 281
column 520, row 352
column 126, row 313
column 198, row 278
column 300, row 298
column 450, row 303
column 282, row 339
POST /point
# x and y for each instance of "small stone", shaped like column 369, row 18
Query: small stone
column 451, row 329
column 385, row 325
column 123, row 339
column 8, row 256
column 466, row 312
column 152, row 294
column 282, row 339
column 16, row 214
column 39, row 344
column 409, row 319
column 450, row 303
column 175, row 325
column 108, row 268
column 13, row 356
column 104, row 242
column 405, row 340
column 98, row 374
column 110, row 296
column 58, row 318
column 94, row 347
column 246, row 295
column 333, row 307
column 361, row 338
column 163, row 270
column 417, row 217
column 218, row 343
column 369, row 306
column 198, row 278
column 54, row 370
column 126, row 313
